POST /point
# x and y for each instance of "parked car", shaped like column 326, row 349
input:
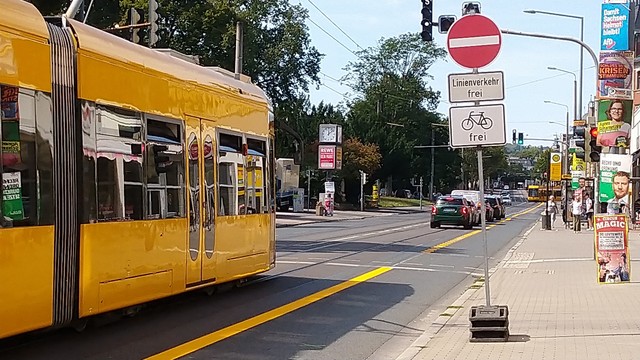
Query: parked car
column 476, row 216
column 506, row 198
column 499, row 211
column 488, row 211
column 451, row 210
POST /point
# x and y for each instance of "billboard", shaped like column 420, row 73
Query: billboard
column 615, row 75
column 612, row 246
column 615, row 26
column 326, row 157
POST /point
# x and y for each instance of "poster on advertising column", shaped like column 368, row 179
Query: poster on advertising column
column 615, row 75
column 612, row 246
column 615, row 25
column 614, row 182
column 614, row 122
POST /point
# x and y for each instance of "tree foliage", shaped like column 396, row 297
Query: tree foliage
column 358, row 156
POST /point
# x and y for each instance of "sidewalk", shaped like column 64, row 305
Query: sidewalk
column 286, row 219
column 557, row 310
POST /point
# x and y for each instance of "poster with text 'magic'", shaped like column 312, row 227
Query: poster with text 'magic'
column 612, row 247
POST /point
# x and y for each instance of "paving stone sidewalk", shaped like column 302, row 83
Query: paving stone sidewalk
column 557, row 310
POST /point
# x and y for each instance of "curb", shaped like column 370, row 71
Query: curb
column 439, row 323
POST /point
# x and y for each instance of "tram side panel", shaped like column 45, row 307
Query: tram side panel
column 26, row 208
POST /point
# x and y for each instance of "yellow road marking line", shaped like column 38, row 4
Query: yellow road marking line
column 229, row 331
column 474, row 232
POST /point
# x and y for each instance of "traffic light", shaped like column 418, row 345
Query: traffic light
column 513, row 139
column 363, row 177
column 445, row 22
column 579, row 138
column 427, row 20
column 134, row 18
column 470, row 7
column 153, row 20
column 594, row 149
column 520, row 138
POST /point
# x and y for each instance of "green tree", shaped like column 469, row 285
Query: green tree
column 542, row 163
column 394, row 106
column 494, row 162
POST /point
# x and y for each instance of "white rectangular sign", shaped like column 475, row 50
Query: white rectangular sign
column 476, row 87
column 481, row 125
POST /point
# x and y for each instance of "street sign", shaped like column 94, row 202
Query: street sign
column 474, row 41
column 476, row 87
column 480, row 125
column 556, row 166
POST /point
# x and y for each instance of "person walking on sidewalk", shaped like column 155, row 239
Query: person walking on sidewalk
column 553, row 210
column 576, row 210
column 588, row 206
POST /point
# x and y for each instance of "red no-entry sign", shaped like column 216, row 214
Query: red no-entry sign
column 474, row 41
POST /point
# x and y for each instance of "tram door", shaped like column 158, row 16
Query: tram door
column 201, row 150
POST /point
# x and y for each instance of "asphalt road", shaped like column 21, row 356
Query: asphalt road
column 357, row 289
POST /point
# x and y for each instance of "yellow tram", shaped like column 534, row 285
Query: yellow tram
column 128, row 175
column 538, row 193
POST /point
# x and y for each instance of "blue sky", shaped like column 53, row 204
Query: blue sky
column 523, row 60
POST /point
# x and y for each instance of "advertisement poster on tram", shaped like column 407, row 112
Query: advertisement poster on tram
column 12, row 206
column 612, row 246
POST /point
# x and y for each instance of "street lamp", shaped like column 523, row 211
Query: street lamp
column 576, row 115
column 581, row 49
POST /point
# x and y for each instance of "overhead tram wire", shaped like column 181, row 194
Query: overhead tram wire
column 336, row 25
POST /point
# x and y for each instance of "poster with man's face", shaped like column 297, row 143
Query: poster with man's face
column 614, row 122
column 615, row 172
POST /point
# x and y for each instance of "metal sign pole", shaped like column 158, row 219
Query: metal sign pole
column 483, row 216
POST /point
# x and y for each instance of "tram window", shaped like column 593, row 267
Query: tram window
column 18, row 205
column 25, row 201
column 255, row 176
column 226, row 180
column 271, row 181
column 119, row 169
column 165, row 169
column 89, row 161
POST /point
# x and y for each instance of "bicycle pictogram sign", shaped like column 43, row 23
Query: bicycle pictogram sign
column 477, row 119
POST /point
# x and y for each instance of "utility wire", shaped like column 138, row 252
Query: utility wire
column 336, row 91
column 336, row 25
column 331, row 78
column 331, row 36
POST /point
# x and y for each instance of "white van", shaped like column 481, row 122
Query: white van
column 472, row 195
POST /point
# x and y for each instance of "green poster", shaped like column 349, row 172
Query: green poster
column 614, row 178
column 12, row 196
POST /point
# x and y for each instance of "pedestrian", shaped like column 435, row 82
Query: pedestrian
column 553, row 210
column 576, row 210
column 588, row 205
